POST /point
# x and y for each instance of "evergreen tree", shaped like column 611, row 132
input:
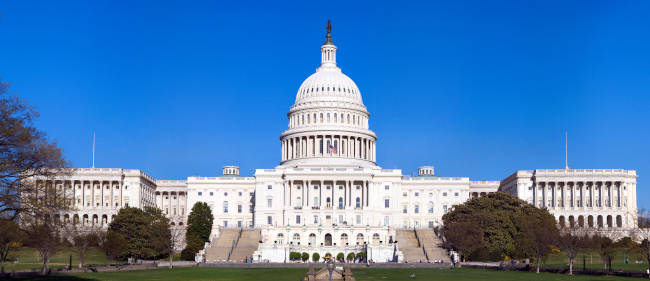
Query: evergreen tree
column 199, row 227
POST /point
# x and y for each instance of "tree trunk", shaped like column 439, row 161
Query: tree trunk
column 45, row 261
column 81, row 260
column 571, row 261
column 539, row 261
column 171, row 259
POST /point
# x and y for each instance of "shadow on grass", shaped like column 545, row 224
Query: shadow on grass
column 38, row 277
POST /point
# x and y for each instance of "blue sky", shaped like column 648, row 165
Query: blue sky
column 476, row 88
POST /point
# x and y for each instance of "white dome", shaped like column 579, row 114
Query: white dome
column 328, row 84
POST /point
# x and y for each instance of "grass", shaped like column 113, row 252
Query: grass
column 368, row 274
column 29, row 258
column 593, row 261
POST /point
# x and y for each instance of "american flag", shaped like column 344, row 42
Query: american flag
column 332, row 149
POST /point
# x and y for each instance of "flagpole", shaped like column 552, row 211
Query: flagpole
column 566, row 150
column 93, row 149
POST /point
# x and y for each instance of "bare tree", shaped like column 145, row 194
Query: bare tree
column 10, row 238
column 175, row 240
column 643, row 234
column 572, row 240
column 82, row 240
column 26, row 156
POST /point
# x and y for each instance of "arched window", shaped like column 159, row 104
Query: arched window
column 321, row 117
column 375, row 238
column 312, row 239
column 357, row 203
column 344, row 239
column 348, row 118
column 359, row 239
column 340, row 202
column 335, row 120
column 296, row 238
column 328, row 117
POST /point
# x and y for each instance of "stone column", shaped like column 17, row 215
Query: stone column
column 308, row 189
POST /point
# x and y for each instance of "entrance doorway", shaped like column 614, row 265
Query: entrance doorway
column 328, row 239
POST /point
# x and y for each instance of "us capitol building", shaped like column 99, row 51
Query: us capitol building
column 328, row 195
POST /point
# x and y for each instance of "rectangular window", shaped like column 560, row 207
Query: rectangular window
column 271, row 187
column 417, row 209
column 239, row 209
column 225, row 223
column 269, row 203
column 404, row 210
column 341, row 219
column 417, row 194
column 329, row 187
column 386, row 187
column 404, row 194
column 269, row 220
column 200, row 193
column 340, row 187
column 239, row 224
column 386, row 203
column 386, row 220
column 358, row 187
column 225, row 207
column 358, row 219
column 444, row 194
column 444, row 208
column 315, row 186
column 298, row 219
column 456, row 194
column 316, row 219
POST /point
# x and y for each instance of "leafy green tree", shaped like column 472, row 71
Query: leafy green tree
column 340, row 256
column 491, row 227
column 115, row 245
column 350, row 257
column 315, row 257
column 199, row 227
column 304, row 256
column 10, row 239
column 146, row 232
column 537, row 232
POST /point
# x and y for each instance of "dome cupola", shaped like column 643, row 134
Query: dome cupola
column 328, row 123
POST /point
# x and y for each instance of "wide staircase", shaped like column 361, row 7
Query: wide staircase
column 408, row 244
column 432, row 245
column 247, row 244
column 220, row 248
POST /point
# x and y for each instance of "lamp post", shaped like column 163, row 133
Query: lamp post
column 330, row 267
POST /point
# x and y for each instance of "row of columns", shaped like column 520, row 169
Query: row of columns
column 168, row 205
column 305, row 190
column 90, row 194
column 297, row 120
column 328, row 145
column 578, row 194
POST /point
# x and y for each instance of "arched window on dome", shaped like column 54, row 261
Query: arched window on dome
column 348, row 118
column 336, row 145
column 321, row 146
column 328, row 117
column 321, row 117
column 328, row 146
column 335, row 119
column 302, row 119
column 322, row 89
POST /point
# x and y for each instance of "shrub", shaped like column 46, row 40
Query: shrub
column 315, row 257
column 340, row 256
column 350, row 257
column 305, row 256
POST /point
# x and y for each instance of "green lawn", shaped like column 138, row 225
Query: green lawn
column 593, row 261
column 289, row 274
column 28, row 258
